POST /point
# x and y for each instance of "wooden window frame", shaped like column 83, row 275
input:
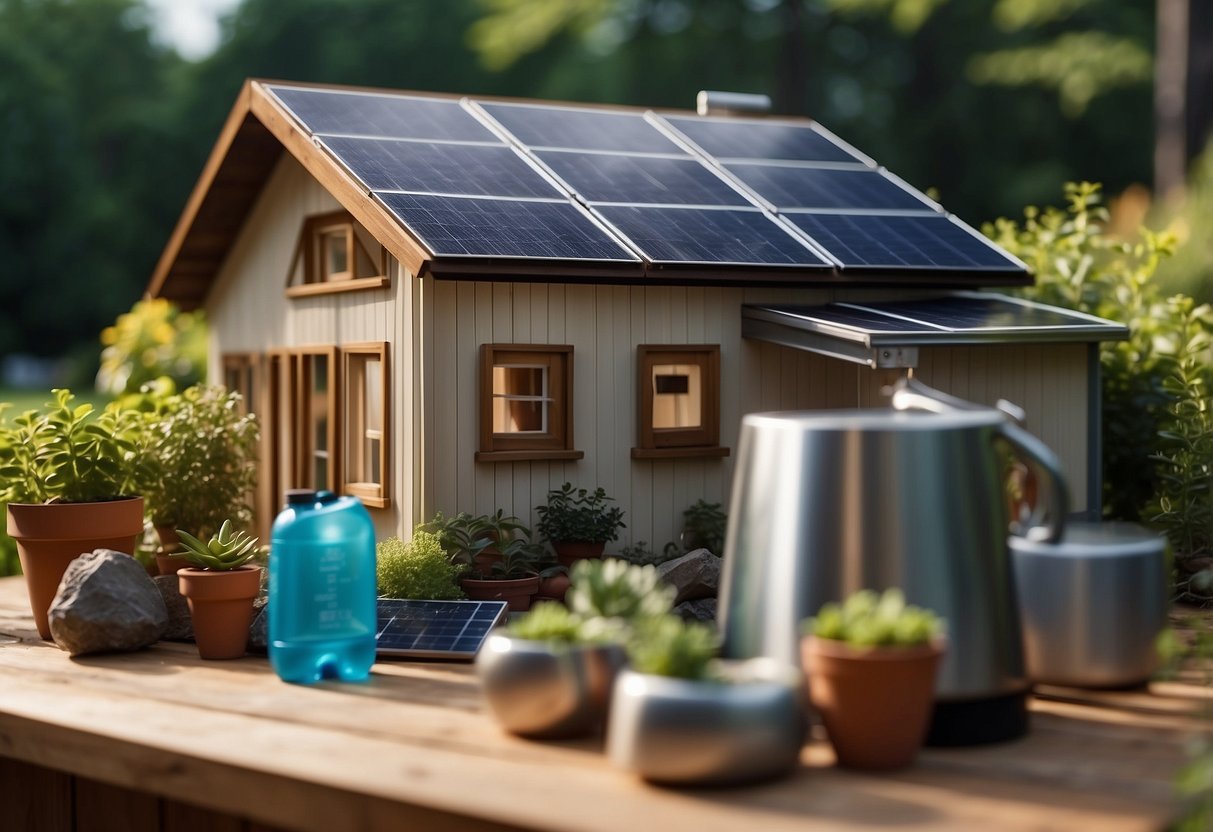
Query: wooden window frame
column 663, row 443
column 372, row 494
column 557, row 442
column 248, row 366
column 290, row 397
column 311, row 257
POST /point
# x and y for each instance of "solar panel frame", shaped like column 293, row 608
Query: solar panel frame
column 738, row 138
column 422, row 629
column 407, row 116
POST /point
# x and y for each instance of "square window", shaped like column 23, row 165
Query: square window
column 365, row 460
column 678, row 401
column 335, row 254
column 526, row 402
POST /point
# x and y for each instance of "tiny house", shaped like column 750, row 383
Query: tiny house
column 449, row 304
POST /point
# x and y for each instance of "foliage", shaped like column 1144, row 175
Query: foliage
column 866, row 619
column 640, row 554
column 69, row 453
column 202, row 459
column 151, row 341
column 703, row 527
column 670, row 646
column 487, row 546
column 1080, row 266
column 548, row 621
column 578, row 515
column 419, row 568
column 227, row 549
column 610, row 596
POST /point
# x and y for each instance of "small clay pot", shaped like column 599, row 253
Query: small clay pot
column 554, row 588
column 517, row 591
column 221, row 607
column 569, row 552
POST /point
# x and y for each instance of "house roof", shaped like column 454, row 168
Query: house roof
column 507, row 189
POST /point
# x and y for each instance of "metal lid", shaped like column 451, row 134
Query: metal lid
column 1096, row 540
column 874, row 419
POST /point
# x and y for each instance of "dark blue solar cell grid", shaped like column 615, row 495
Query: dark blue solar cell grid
column 797, row 187
column 699, row 235
column 580, row 129
column 979, row 313
column 861, row 319
column 446, row 628
column 385, row 116
column 609, row 178
column 873, row 241
column 501, row 228
column 487, row 170
column 748, row 139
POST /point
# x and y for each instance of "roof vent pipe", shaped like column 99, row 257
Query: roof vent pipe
column 714, row 103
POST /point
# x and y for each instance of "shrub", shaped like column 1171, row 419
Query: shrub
column 417, row 569
column 579, row 515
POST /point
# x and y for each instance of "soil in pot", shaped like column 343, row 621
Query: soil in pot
column 517, row 591
column 221, row 608
column 875, row 702
column 50, row 536
column 569, row 552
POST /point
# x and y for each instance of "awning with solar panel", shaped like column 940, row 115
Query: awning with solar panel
column 499, row 187
column 889, row 333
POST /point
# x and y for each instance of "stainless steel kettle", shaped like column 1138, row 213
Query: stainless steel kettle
column 829, row 502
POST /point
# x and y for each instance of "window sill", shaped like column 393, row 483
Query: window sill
column 361, row 284
column 527, row 456
column 679, row 453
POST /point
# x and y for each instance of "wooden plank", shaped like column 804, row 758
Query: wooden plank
column 34, row 797
column 182, row 817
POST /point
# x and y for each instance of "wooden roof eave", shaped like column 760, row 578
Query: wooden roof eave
column 344, row 188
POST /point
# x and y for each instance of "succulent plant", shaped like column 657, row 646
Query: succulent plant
column 866, row 619
column 225, row 550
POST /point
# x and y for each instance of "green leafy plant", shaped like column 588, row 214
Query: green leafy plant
column 548, row 621
column 153, row 340
column 202, row 459
column 703, row 527
column 615, row 589
column 227, row 549
column 578, row 515
column 487, row 546
column 419, row 568
column 67, row 453
column 668, row 646
column 640, row 554
column 866, row 619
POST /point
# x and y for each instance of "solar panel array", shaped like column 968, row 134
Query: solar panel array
column 435, row 629
column 634, row 191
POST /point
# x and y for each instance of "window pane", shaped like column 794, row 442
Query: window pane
column 319, row 427
column 677, row 396
column 516, row 380
column 372, row 374
column 519, row 415
column 336, row 258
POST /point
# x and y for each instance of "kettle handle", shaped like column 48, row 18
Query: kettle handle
column 1047, row 521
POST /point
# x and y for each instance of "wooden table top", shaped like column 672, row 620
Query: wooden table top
column 415, row 745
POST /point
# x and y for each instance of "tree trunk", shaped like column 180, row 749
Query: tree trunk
column 1199, row 115
column 1170, row 95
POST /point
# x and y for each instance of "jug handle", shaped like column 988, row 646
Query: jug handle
column 1048, row 517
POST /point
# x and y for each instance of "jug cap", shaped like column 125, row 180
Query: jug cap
column 300, row 496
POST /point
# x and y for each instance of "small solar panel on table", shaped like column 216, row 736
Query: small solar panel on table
column 435, row 629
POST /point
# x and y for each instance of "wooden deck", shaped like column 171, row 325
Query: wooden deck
column 163, row 740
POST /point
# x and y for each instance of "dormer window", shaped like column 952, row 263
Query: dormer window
column 336, row 254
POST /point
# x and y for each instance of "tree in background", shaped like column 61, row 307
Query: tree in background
column 154, row 340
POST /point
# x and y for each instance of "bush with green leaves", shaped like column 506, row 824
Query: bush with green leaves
column 669, row 646
column 703, row 527
column 419, row 568
column 577, row 515
column 70, row 453
column 226, row 550
column 153, row 340
column 866, row 619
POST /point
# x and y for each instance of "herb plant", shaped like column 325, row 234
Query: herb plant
column 225, row 550
column 866, row 619
column 578, row 515
column 419, row 568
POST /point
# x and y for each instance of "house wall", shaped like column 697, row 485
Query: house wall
column 605, row 323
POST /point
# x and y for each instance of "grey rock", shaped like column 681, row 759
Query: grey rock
column 701, row 609
column 106, row 603
column 259, row 630
column 180, row 626
column 695, row 575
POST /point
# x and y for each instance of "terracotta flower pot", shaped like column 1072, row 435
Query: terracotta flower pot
column 569, row 552
column 221, row 607
column 555, row 587
column 875, row 702
column 517, row 591
column 50, row 536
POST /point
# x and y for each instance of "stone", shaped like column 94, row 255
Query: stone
column 180, row 626
column 701, row 609
column 695, row 575
column 259, row 630
column 106, row 603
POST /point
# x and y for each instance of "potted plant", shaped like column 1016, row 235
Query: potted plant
column 68, row 476
column 550, row 673
column 871, row 663
column 202, row 454
column 419, row 568
column 680, row 716
column 495, row 562
column 220, row 586
column 514, row 578
column 579, row 523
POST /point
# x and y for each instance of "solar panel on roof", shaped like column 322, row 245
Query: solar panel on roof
column 478, row 227
column 539, row 126
column 393, row 165
column 958, row 313
column 704, row 235
column 435, row 629
column 882, row 241
column 754, row 139
column 383, row 116
column 601, row 177
column 786, row 186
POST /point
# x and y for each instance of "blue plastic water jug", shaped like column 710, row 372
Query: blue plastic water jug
column 322, row 589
